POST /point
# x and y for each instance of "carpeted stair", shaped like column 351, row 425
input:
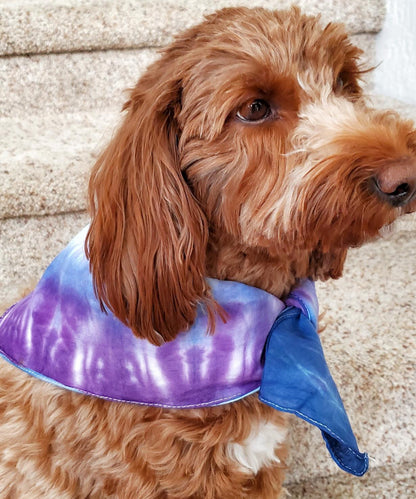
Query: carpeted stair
column 64, row 65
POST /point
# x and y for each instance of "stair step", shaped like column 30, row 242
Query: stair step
column 84, row 80
column 45, row 160
column 55, row 120
column 46, row 26
column 392, row 480
column 68, row 82
column 27, row 246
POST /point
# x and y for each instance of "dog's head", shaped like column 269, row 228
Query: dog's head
column 250, row 126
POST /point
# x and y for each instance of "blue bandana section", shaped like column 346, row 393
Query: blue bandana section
column 296, row 379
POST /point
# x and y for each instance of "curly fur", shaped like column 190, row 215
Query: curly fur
column 187, row 189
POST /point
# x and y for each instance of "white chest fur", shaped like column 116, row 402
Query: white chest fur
column 258, row 449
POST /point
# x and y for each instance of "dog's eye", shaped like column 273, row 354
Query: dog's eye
column 347, row 85
column 340, row 83
column 256, row 110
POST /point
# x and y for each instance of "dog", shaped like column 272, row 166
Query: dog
column 248, row 153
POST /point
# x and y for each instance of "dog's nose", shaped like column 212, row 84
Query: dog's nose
column 396, row 183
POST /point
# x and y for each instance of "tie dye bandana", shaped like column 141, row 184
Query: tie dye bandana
column 59, row 334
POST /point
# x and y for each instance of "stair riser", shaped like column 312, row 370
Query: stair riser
column 27, row 246
column 48, row 27
column 45, row 167
column 69, row 82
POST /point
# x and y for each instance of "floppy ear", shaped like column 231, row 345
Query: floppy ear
column 148, row 236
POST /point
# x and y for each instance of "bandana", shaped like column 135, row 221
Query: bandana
column 59, row 334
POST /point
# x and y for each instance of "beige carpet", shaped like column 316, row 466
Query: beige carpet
column 44, row 26
column 370, row 344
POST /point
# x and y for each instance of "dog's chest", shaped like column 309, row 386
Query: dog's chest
column 259, row 449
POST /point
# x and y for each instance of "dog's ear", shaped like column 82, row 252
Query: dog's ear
column 148, row 236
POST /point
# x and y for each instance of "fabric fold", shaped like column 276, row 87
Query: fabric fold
column 297, row 380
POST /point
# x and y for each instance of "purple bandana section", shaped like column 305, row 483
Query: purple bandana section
column 59, row 333
column 304, row 297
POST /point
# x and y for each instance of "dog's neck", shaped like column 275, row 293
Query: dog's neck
column 273, row 271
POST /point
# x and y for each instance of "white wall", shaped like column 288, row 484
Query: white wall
column 396, row 50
